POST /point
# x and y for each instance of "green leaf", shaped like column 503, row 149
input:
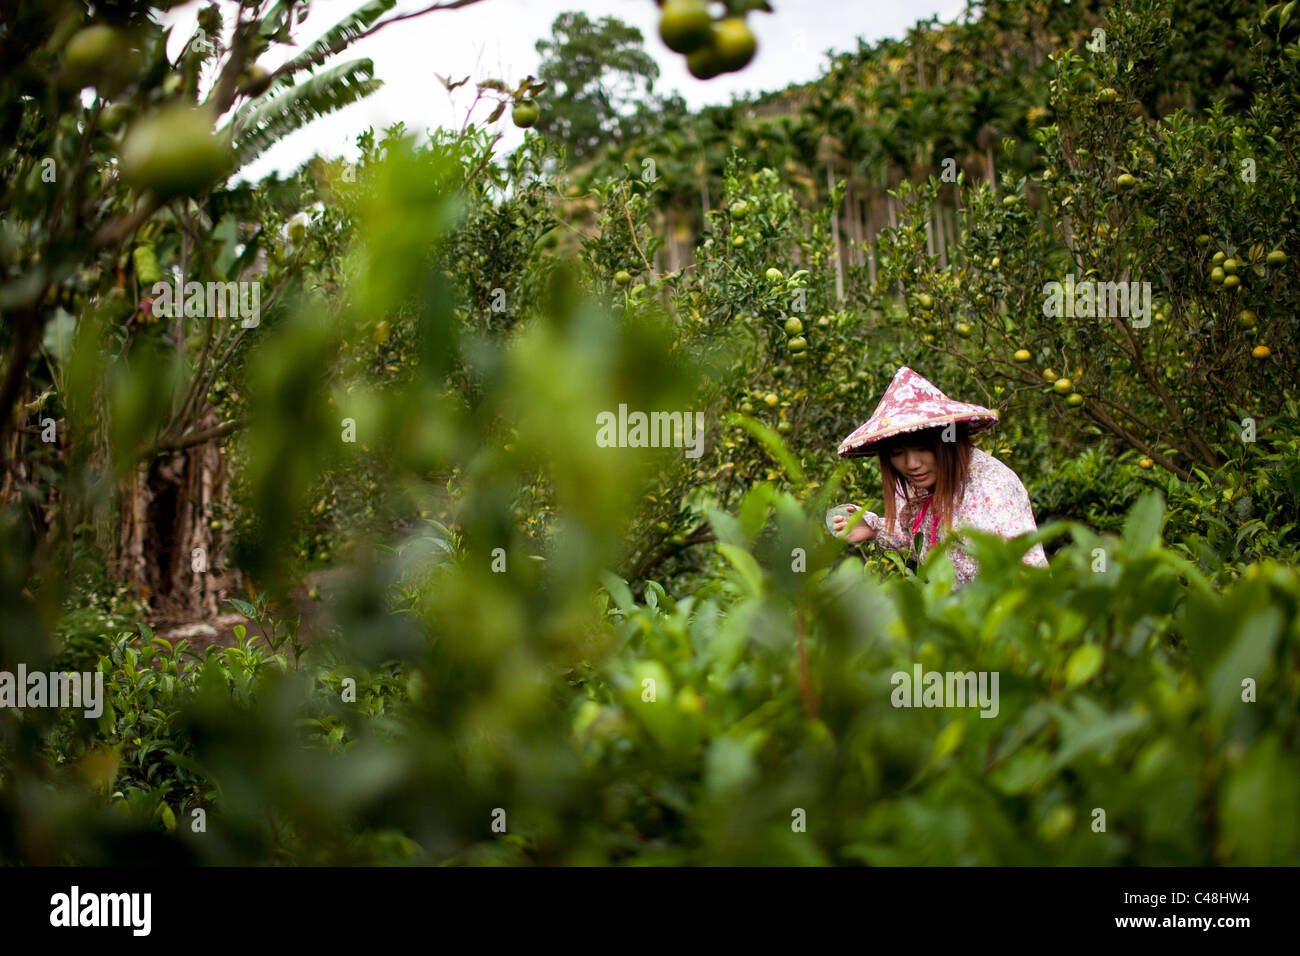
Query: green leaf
column 1088, row 727
column 755, row 509
column 725, row 644
column 243, row 607
column 726, row 527
column 1257, row 807
column 1083, row 664
column 729, row 766
column 619, row 591
column 1250, row 655
column 744, row 563
column 1142, row 527
column 59, row 331
column 1024, row 772
column 948, row 740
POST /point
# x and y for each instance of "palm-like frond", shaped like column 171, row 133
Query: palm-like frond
column 339, row 36
column 266, row 120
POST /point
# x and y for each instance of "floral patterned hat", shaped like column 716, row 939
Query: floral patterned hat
column 910, row 404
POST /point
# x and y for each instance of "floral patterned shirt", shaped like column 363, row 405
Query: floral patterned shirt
column 995, row 501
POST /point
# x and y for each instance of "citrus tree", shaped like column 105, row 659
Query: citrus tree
column 1155, row 311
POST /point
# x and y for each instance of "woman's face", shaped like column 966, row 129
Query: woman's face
column 915, row 464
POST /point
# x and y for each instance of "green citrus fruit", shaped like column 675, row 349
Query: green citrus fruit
column 685, row 25
column 924, row 300
column 525, row 114
column 89, row 57
column 1218, row 258
column 747, row 408
column 962, row 329
column 1125, row 181
column 622, row 277
column 1022, row 355
column 1217, row 274
column 1074, row 399
column 1231, row 282
column 774, row 274
column 115, row 116
column 1049, row 375
column 704, row 63
column 1108, row 95
column 1276, row 257
column 1230, row 266
column 1247, row 319
column 793, row 326
column 738, row 209
column 735, row 43
column 738, row 240
column 784, row 428
column 771, row 400
column 174, row 152
column 1063, row 385
column 1202, row 240
column 797, row 344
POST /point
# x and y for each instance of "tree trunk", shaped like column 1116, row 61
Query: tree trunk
column 167, row 546
column 835, row 237
column 941, row 237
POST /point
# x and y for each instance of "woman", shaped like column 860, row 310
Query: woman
column 934, row 478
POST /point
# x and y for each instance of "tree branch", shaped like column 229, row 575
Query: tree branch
column 195, row 438
column 448, row 5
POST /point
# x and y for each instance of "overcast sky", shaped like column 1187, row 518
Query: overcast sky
column 497, row 37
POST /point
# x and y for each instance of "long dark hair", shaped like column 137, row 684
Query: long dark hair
column 952, row 471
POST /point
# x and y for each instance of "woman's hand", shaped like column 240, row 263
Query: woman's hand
column 861, row 531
